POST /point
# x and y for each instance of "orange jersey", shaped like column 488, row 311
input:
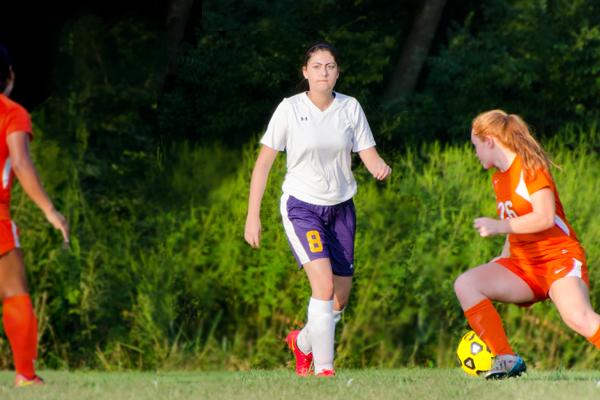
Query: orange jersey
column 513, row 191
column 13, row 118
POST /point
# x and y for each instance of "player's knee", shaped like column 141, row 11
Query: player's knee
column 14, row 288
column 324, row 291
column 468, row 290
column 461, row 285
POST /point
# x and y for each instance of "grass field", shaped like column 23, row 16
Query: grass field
column 414, row 384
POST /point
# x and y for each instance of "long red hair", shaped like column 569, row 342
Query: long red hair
column 514, row 134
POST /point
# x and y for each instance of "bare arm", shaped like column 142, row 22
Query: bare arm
column 375, row 164
column 540, row 219
column 22, row 165
column 260, row 173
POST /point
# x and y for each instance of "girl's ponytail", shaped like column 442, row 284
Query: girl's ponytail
column 513, row 132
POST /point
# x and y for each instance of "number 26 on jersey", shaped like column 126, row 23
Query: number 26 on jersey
column 506, row 211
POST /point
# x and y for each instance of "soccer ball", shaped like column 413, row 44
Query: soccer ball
column 474, row 355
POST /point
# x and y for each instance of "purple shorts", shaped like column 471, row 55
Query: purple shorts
column 321, row 232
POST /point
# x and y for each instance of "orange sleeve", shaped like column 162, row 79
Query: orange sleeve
column 18, row 120
column 540, row 181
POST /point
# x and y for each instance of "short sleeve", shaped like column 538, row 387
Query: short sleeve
column 540, row 181
column 17, row 120
column 276, row 134
column 363, row 137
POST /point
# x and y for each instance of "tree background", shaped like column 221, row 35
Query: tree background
column 147, row 116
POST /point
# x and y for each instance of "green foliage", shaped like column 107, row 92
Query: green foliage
column 248, row 56
column 101, row 113
column 182, row 289
column 535, row 58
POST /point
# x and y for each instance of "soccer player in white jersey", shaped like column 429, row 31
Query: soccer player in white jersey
column 319, row 129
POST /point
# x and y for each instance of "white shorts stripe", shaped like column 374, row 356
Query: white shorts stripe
column 15, row 234
column 576, row 271
column 6, row 173
column 290, row 232
column 561, row 224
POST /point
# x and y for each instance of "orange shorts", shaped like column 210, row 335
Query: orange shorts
column 9, row 236
column 541, row 275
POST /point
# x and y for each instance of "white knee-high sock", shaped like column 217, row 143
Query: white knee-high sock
column 321, row 332
column 303, row 341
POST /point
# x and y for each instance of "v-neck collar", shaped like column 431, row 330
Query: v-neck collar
column 333, row 102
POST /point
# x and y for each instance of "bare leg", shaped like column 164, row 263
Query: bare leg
column 320, row 276
column 18, row 318
column 491, row 281
column 476, row 289
column 341, row 291
column 13, row 280
column 571, row 297
column 320, row 328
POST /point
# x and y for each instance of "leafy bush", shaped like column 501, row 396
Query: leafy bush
column 187, row 292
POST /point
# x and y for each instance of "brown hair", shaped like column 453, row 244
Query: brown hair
column 512, row 132
column 321, row 46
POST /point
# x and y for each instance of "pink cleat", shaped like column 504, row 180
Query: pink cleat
column 303, row 361
column 326, row 372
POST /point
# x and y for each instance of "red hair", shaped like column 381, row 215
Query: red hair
column 513, row 133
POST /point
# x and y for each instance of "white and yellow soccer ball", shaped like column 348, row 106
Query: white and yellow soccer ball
column 474, row 355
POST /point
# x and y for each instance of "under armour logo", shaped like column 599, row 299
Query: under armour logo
column 303, row 118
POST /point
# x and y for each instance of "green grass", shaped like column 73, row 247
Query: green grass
column 414, row 384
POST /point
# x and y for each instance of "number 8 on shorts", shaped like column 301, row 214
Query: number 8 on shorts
column 314, row 241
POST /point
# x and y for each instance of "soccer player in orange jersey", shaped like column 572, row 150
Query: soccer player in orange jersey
column 18, row 316
column 542, row 257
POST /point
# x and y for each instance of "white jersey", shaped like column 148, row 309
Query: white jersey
column 318, row 145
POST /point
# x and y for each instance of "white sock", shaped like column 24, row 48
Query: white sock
column 337, row 315
column 321, row 329
column 303, row 341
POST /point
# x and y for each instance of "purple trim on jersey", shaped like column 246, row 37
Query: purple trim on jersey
column 321, row 232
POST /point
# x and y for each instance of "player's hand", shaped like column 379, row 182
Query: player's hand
column 252, row 231
column 59, row 222
column 486, row 226
column 383, row 171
